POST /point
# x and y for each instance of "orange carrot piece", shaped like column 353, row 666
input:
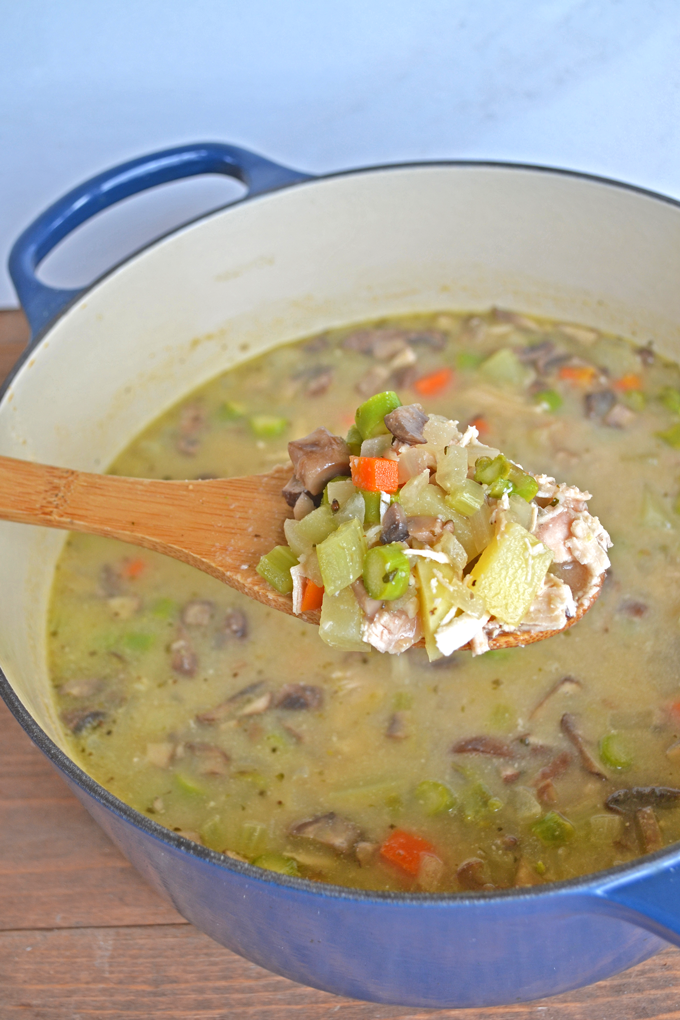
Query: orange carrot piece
column 673, row 710
column 312, row 597
column 481, row 424
column 133, row 568
column 630, row 381
column 580, row 374
column 375, row 474
column 434, row 383
column 406, row 850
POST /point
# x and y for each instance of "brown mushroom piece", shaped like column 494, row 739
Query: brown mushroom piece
column 183, row 658
column 565, row 685
column 317, row 458
column 473, row 874
column 425, row 529
column 406, row 423
column 299, row 697
column 236, row 623
column 197, row 613
column 398, row 726
column 331, row 830
column 634, row 798
column 597, row 404
column 650, row 831
column 211, row 759
column 229, row 707
column 292, row 491
column 394, row 525
column 572, row 733
column 483, row 745
column 79, row 720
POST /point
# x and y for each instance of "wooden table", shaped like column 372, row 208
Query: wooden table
column 82, row 936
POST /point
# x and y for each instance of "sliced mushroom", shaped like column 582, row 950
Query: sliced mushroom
column 633, row 608
column 406, row 423
column 83, row 688
column 425, row 529
column 79, row 720
column 571, row 731
column 319, row 457
column 398, row 726
column 292, row 491
column 650, row 831
column 212, row 760
column 554, row 769
column 258, row 705
column 331, row 830
column 483, row 745
column 394, row 525
column 198, row 613
column 183, row 658
column 597, row 404
column 236, row 623
column 299, row 697
column 526, row 875
column 473, row 874
column 320, row 379
column 633, row 799
column 110, row 581
column 565, row 685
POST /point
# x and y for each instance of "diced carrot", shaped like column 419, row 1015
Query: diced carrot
column 375, row 474
column 481, row 424
column 434, row 383
column 406, row 850
column 583, row 375
column 630, row 381
column 133, row 568
column 673, row 710
column 312, row 597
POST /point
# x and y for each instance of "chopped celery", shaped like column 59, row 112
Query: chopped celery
column 434, row 798
column 606, row 828
column 386, row 572
column 671, row 436
column 275, row 568
column 504, row 476
column 466, row 498
column 449, row 544
column 372, row 505
column 341, row 620
column 215, row 833
column 230, row 411
column 341, row 556
column 370, row 416
column 523, row 484
column 488, row 470
column 504, row 368
column 267, row 426
column 251, row 838
column 670, row 398
column 353, row 508
column 188, row 785
column 340, row 489
column 614, row 752
column 548, row 400
column 452, row 468
column 367, row 795
column 354, row 440
column 499, row 486
column 634, row 399
column 510, row 571
column 164, row 608
column 468, row 361
column 478, row 803
column 654, row 513
column 138, row 641
column 280, row 863
column 304, row 535
column 553, row 829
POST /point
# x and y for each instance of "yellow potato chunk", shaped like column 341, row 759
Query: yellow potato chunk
column 509, row 573
column 441, row 591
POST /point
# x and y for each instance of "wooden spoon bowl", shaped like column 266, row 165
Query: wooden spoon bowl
column 221, row 526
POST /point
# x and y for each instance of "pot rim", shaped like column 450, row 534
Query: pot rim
column 591, row 884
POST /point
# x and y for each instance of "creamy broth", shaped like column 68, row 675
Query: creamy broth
column 237, row 726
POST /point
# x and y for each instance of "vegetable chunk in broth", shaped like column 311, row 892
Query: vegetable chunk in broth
column 238, row 727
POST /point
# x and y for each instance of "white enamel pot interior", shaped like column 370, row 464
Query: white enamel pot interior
column 281, row 266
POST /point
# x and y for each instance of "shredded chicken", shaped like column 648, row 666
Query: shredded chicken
column 392, row 632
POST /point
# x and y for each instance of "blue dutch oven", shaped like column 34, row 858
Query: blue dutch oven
column 296, row 255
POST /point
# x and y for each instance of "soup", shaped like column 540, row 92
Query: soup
column 238, row 727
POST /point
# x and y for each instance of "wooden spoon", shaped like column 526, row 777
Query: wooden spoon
column 221, row 526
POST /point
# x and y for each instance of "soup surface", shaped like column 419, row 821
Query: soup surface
column 238, row 727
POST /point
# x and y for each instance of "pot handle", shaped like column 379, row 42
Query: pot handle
column 649, row 899
column 42, row 303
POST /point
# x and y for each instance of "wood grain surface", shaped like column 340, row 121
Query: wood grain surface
column 83, row 938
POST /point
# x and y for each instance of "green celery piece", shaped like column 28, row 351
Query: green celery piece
column 304, row 535
column 252, row 838
column 670, row 398
column 488, row 471
column 341, row 620
column 230, row 411
column 275, row 568
column 468, row 361
column 634, row 399
column 368, row 795
column 478, row 803
column 523, row 484
column 386, row 572
column 354, row 507
column 548, row 400
column 341, row 556
column 553, row 829
column 671, row 436
column 613, row 751
column 504, row 368
column 267, row 426
column 138, row 641
column 466, row 498
column 279, row 863
column 354, row 440
column 164, row 608
column 215, row 833
column 372, row 501
column 500, row 486
column 188, row 785
column 403, row 700
column 370, row 416
column 654, row 513
column 434, row 798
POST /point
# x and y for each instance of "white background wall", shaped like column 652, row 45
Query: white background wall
column 321, row 85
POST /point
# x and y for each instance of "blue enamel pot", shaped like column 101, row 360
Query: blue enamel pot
column 299, row 254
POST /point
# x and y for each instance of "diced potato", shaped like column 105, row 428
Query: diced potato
column 341, row 619
column 440, row 592
column 504, row 368
column 509, row 573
